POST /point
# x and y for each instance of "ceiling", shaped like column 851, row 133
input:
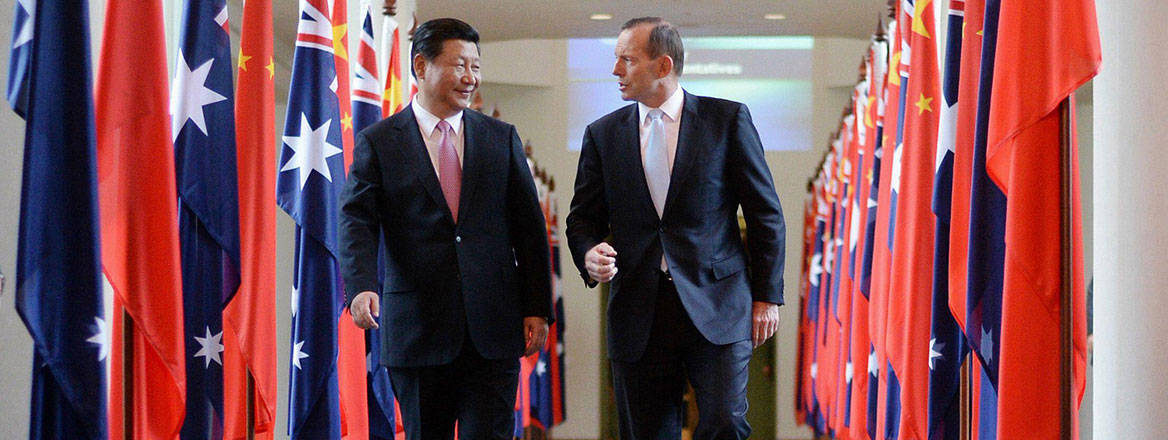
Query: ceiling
column 552, row 19
column 499, row 20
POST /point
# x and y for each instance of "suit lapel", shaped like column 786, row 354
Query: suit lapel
column 687, row 149
column 416, row 151
column 471, row 162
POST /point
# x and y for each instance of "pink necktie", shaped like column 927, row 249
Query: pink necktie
column 449, row 170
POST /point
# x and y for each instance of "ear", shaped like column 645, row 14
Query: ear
column 666, row 66
column 419, row 66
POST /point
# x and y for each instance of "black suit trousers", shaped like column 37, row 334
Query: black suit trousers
column 479, row 393
column 649, row 391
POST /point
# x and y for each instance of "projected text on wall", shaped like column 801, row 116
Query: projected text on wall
column 771, row 75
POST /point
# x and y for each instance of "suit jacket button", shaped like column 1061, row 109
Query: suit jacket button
column 458, row 239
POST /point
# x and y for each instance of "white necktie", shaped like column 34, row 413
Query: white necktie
column 657, row 168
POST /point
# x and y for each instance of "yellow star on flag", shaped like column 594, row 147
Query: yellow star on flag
column 894, row 69
column 339, row 33
column 924, row 104
column 868, row 116
column 271, row 68
column 347, row 122
column 243, row 60
column 918, row 19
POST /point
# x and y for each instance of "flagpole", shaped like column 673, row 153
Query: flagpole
column 1067, row 284
column 127, row 375
column 250, row 406
column 965, row 397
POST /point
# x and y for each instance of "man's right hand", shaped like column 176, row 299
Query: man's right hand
column 600, row 261
column 365, row 308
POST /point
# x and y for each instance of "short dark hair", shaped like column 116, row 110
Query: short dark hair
column 431, row 35
column 663, row 40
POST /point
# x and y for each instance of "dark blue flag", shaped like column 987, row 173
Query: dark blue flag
column 308, row 188
column 58, row 261
column 987, row 223
column 946, row 346
column 203, row 126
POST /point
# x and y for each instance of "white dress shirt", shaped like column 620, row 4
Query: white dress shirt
column 672, row 119
column 428, row 124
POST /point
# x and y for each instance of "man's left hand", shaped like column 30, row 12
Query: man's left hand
column 535, row 330
column 764, row 321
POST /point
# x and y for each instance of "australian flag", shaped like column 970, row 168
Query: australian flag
column 308, row 187
column 946, row 345
column 203, row 126
column 987, row 223
column 58, row 275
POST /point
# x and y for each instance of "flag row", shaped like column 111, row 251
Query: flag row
column 932, row 229
column 162, row 193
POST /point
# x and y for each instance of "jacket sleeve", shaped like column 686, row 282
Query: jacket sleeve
column 360, row 222
column 766, row 231
column 587, row 222
column 528, row 235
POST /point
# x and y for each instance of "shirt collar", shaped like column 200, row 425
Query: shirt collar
column 427, row 121
column 671, row 107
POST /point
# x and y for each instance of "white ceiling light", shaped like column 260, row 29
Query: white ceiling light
column 774, row 16
column 599, row 17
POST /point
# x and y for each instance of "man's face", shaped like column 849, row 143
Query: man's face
column 636, row 72
column 450, row 80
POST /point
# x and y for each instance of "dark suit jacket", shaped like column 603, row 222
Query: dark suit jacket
column 719, row 165
column 444, row 280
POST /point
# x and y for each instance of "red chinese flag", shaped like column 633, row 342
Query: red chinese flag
column 139, row 220
column 351, row 377
column 392, row 100
column 1044, row 52
column 971, row 40
column 249, row 320
column 911, row 276
column 881, row 253
column 340, row 21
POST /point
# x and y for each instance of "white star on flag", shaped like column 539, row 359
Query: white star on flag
column 298, row 354
column 189, row 94
column 312, row 150
column 814, row 370
column 100, row 338
column 896, row 166
column 873, row 366
column 987, row 345
column 849, row 371
column 935, row 352
column 816, row 269
column 295, row 301
column 209, row 347
column 541, row 368
column 25, row 34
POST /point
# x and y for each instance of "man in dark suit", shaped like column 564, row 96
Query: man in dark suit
column 664, row 177
column 466, row 287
